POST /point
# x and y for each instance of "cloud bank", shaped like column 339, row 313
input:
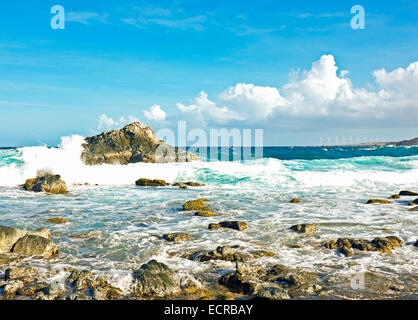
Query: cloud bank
column 321, row 97
column 316, row 94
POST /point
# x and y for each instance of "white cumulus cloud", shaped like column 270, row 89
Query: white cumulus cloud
column 155, row 113
column 320, row 93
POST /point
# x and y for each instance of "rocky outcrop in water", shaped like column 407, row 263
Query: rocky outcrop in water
column 143, row 182
column 176, row 237
column 156, row 280
column 382, row 244
column 235, row 225
column 47, row 183
column 269, row 283
column 31, row 245
column 408, row 193
column 304, row 228
column 57, row 220
column 379, row 201
column 9, row 236
column 133, row 143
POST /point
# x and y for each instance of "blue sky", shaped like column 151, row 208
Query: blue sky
column 258, row 64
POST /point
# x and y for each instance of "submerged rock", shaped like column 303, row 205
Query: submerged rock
column 408, row 193
column 143, row 182
column 236, row 225
column 35, row 245
column 379, row 201
column 395, row 196
column 205, row 214
column 188, row 184
column 295, row 200
column 176, row 237
column 304, row 228
column 9, row 236
column 47, row 183
column 416, row 243
column 133, row 143
column 196, row 205
column 225, row 253
column 382, row 244
column 57, row 220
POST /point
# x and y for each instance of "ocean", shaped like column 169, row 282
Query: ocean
column 114, row 226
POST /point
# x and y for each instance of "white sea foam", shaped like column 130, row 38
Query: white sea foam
column 65, row 160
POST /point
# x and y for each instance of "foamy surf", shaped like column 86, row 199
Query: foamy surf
column 115, row 227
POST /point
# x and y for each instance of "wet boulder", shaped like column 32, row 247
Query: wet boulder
column 379, row 201
column 225, row 253
column 395, row 196
column 304, row 228
column 9, row 236
column 386, row 244
column 176, row 237
column 57, row 220
column 205, row 214
column 47, row 183
column 295, row 200
column 143, row 182
column 235, row 225
column 155, row 279
column 31, row 245
column 408, row 193
column 196, row 205
column 346, row 245
column 238, row 283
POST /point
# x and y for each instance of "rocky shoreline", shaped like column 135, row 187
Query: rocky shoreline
column 156, row 280
column 232, row 271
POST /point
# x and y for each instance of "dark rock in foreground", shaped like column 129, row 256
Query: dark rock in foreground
column 47, row 183
column 269, row 283
column 133, row 143
column 143, row 182
column 156, row 280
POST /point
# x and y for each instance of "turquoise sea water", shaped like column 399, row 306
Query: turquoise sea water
column 122, row 224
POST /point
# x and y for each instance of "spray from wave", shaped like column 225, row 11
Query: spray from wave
column 65, row 160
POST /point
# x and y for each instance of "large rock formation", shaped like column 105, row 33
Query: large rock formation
column 133, row 143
